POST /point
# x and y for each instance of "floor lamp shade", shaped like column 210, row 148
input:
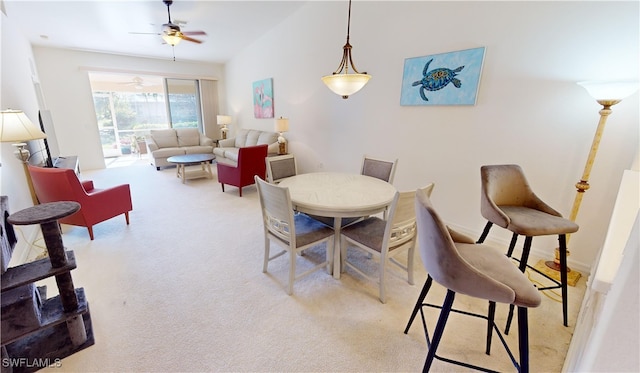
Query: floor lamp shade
column 610, row 91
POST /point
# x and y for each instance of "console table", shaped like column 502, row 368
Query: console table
column 69, row 161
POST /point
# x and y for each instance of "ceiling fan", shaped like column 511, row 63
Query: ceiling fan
column 137, row 82
column 171, row 32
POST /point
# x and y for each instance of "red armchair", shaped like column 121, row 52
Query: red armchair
column 250, row 162
column 96, row 205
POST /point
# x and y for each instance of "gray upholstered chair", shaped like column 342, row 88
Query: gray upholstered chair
column 293, row 232
column 477, row 270
column 385, row 239
column 280, row 167
column 508, row 201
column 379, row 168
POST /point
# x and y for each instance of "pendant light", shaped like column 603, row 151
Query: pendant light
column 341, row 81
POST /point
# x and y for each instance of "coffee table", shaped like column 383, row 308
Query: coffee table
column 192, row 159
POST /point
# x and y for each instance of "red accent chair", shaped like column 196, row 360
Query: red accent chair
column 250, row 162
column 96, row 205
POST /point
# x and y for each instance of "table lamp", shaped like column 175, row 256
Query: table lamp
column 16, row 128
column 282, row 125
column 224, row 120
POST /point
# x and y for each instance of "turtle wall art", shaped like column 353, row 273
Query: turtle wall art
column 442, row 79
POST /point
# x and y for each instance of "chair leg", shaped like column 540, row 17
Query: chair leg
column 485, row 232
column 512, row 244
column 491, row 315
column 523, row 339
column 383, row 262
column 126, row 217
column 416, row 308
column 267, row 247
column 222, row 185
column 90, row 229
column 523, row 266
column 563, row 277
column 292, row 271
column 439, row 330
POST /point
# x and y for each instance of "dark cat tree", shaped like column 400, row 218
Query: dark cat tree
column 38, row 332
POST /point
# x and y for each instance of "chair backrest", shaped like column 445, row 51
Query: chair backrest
column 277, row 211
column 280, row 167
column 443, row 262
column 506, row 185
column 56, row 184
column 403, row 220
column 379, row 168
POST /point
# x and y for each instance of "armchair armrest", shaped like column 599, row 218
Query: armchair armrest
column 151, row 144
column 87, row 185
column 205, row 141
column 227, row 143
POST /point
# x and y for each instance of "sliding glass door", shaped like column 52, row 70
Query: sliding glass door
column 128, row 106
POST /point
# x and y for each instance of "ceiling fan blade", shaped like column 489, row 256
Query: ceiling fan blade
column 194, row 33
column 184, row 37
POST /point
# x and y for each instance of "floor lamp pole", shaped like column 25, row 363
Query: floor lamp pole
column 583, row 185
column 606, row 94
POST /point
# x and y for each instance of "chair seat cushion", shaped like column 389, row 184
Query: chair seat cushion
column 530, row 222
column 309, row 230
column 368, row 232
column 494, row 264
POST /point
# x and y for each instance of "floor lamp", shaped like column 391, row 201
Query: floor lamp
column 16, row 128
column 606, row 94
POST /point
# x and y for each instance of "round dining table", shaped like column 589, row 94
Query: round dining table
column 338, row 195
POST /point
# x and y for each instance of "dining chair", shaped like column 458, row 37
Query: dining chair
column 280, row 167
column 384, row 239
column 508, row 201
column 293, row 232
column 379, row 168
column 477, row 270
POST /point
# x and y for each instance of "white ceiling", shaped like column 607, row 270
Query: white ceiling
column 106, row 25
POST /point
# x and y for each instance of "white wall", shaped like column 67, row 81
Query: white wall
column 529, row 109
column 17, row 93
column 67, row 91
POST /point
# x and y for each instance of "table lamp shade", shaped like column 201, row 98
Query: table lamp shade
column 16, row 127
column 282, row 125
column 610, row 90
column 224, row 119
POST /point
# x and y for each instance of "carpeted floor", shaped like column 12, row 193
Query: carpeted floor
column 182, row 289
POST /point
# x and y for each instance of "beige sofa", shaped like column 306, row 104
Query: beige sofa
column 166, row 143
column 227, row 150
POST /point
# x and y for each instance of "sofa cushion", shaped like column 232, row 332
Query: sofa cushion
column 198, row 149
column 267, row 138
column 241, row 138
column 188, row 136
column 168, row 152
column 165, row 138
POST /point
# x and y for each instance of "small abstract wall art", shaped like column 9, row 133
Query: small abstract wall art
column 263, row 98
column 449, row 78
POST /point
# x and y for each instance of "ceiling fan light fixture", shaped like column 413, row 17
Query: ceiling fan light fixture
column 172, row 39
column 341, row 81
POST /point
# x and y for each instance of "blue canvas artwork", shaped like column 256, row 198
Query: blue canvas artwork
column 442, row 79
